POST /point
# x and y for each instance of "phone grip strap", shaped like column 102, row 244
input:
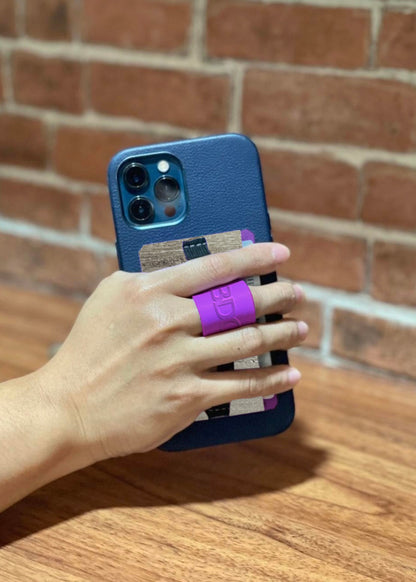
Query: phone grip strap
column 225, row 307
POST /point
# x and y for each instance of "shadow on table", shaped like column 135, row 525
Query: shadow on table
column 159, row 478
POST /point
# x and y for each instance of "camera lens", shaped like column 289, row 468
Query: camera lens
column 135, row 176
column 141, row 210
column 167, row 189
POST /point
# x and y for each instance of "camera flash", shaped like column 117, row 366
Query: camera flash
column 163, row 166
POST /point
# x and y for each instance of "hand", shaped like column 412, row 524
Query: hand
column 135, row 369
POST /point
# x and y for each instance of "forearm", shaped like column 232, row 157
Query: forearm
column 36, row 439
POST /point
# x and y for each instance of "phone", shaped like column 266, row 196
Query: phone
column 174, row 201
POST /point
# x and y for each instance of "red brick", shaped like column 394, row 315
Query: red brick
column 367, row 112
column 305, row 35
column 49, row 19
column 310, row 183
column 22, row 141
column 144, row 24
column 394, row 273
column 311, row 312
column 389, row 195
column 329, row 260
column 44, row 205
column 102, row 225
column 46, row 82
column 28, row 261
column 181, row 98
column 7, row 18
column 397, row 43
column 83, row 153
column 376, row 342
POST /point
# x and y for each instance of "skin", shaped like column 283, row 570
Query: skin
column 135, row 369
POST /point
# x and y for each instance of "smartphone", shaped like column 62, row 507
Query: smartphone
column 172, row 202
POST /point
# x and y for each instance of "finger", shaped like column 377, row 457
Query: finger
column 219, row 387
column 243, row 342
column 276, row 298
column 271, row 298
column 209, row 271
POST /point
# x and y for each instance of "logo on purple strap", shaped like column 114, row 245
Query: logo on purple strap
column 224, row 305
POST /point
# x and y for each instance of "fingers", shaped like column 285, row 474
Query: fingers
column 203, row 273
column 219, row 387
column 271, row 298
column 243, row 342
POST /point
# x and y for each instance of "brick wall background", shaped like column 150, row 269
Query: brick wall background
column 327, row 90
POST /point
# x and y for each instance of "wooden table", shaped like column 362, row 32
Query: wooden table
column 334, row 498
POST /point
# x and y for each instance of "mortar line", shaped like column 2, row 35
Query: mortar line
column 85, row 216
column 164, row 61
column 351, row 154
column 348, row 153
column 48, row 178
column 328, row 225
column 197, row 32
column 369, row 263
column 353, row 4
column 376, row 23
column 236, row 100
column 360, row 303
column 326, row 340
column 74, row 240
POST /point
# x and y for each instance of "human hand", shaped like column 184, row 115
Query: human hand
column 135, row 370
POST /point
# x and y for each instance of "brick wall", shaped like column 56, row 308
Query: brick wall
column 326, row 88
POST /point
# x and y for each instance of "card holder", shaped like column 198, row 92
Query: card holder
column 160, row 255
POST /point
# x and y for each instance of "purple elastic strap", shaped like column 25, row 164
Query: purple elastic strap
column 225, row 307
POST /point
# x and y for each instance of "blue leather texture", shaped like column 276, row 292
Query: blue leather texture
column 225, row 192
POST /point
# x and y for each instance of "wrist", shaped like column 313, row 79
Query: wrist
column 39, row 440
column 69, row 447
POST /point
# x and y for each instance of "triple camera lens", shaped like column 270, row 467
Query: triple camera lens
column 136, row 178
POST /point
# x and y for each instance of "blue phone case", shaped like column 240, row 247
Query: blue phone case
column 225, row 192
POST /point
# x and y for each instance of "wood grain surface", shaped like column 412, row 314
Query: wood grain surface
column 332, row 499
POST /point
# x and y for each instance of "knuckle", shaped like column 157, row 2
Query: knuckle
column 163, row 319
column 218, row 265
column 278, row 380
column 292, row 333
column 287, row 295
column 162, row 326
column 252, row 387
column 183, row 395
column 291, row 294
column 252, row 338
column 137, row 288
column 171, row 368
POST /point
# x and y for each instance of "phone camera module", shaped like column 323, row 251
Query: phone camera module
column 141, row 210
column 167, row 189
column 135, row 177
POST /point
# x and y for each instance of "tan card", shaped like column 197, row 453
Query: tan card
column 166, row 254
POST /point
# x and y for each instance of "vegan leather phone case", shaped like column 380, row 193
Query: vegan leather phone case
column 224, row 187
